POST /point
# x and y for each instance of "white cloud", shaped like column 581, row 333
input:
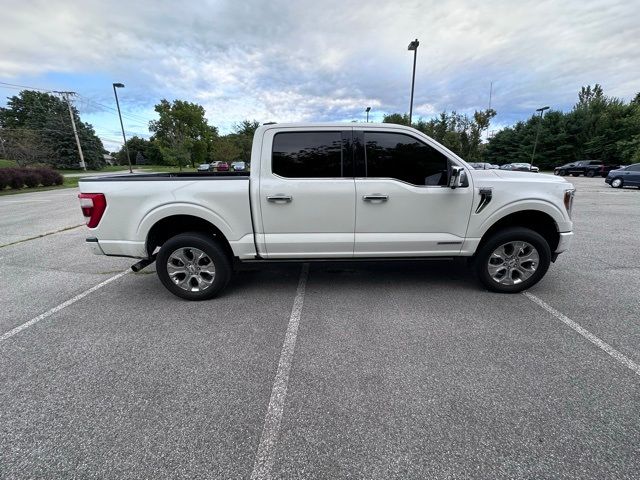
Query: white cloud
column 312, row 60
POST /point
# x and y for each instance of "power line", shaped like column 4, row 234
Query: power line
column 25, row 86
column 129, row 116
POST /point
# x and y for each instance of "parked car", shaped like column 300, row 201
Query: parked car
column 238, row 166
column 204, row 167
column 520, row 167
column 588, row 168
column 215, row 164
column 628, row 176
column 481, row 166
column 222, row 167
column 309, row 195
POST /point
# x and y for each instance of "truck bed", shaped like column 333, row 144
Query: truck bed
column 168, row 176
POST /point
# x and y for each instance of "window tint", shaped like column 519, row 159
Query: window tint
column 634, row 168
column 307, row 154
column 405, row 158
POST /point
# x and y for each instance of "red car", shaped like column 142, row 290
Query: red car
column 223, row 167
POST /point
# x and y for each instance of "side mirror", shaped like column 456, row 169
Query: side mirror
column 458, row 177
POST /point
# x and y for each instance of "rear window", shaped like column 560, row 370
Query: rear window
column 307, row 154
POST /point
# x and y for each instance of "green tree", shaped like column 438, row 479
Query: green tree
column 149, row 149
column 43, row 120
column 459, row 133
column 225, row 149
column 598, row 128
column 182, row 131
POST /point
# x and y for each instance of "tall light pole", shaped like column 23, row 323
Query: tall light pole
column 413, row 46
column 368, row 109
column 121, row 85
column 535, row 144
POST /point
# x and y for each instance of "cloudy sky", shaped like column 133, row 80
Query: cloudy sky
column 318, row 60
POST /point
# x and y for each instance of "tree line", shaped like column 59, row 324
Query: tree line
column 35, row 128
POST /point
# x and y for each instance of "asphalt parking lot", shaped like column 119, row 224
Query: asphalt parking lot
column 347, row 370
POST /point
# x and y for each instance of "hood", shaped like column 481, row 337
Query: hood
column 517, row 176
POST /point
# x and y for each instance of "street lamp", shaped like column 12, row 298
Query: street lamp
column 121, row 85
column 535, row 144
column 413, row 46
column 368, row 109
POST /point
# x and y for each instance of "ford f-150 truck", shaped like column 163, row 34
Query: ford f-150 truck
column 326, row 192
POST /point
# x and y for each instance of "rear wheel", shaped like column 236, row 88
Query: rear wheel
column 617, row 183
column 513, row 260
column 193, row 266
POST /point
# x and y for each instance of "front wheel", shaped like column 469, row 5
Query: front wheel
column 193, row 266
column 616, row 183
column 562, row 172
column 513, row 260
column 590, row 174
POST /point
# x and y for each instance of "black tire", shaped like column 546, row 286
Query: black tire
column 562, row 172
column 211, row 248
column 512, row 234
column 615, row 181
column 590, row 174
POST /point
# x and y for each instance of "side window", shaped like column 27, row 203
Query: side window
column 307, row 154
column 634, row 168
column 400, row 156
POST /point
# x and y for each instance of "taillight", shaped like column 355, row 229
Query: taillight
column 93, row 206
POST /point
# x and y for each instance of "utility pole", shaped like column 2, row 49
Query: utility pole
column 490, row 98
column 66, row 96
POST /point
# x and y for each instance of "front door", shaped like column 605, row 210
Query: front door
column 307, row 193
column 404, row 207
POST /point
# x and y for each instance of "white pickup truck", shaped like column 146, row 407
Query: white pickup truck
column 332, row 191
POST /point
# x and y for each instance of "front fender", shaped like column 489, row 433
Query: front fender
column 562, row 222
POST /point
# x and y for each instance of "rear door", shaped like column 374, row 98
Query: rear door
column 307, row 193
column 403, row 204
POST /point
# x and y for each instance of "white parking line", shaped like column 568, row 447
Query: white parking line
column 71, row 301
column 623, row 359
column 266, row 453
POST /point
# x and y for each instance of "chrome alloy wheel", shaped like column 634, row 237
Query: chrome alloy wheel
column 513, row 263
column 616, row 183
column 191, row 269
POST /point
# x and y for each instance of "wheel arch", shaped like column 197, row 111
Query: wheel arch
column 172, row 225
column 536, row 220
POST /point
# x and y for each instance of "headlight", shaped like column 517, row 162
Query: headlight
column 568, row 200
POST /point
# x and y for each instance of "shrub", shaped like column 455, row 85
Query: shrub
column 50, row 177
column 17, row 178
column 32, row 178
column 4, row 179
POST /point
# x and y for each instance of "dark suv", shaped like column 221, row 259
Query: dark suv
column 588, row 168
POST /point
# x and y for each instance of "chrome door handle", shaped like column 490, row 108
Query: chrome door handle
column 375, row 196
column 279, row 198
